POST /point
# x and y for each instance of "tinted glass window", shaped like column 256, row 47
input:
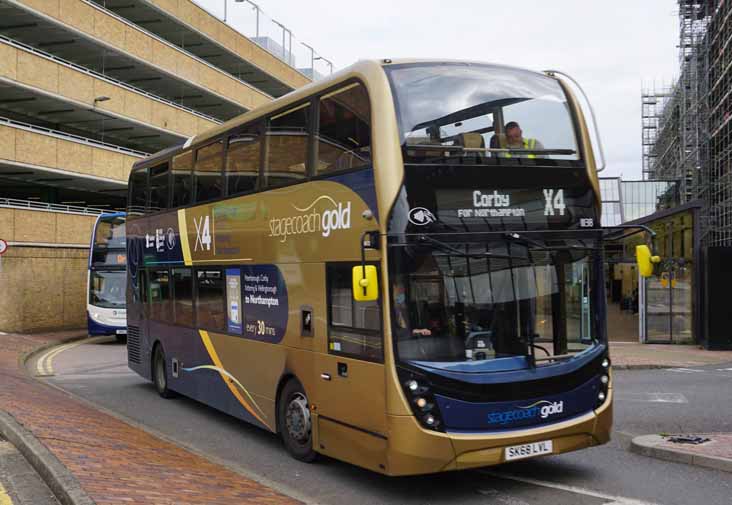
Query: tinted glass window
column 182, row 179
column 355, row 327
column 183, row 293
column 108, row 289
column 288, row 147
column 242, row 161
column 519, row 113
column 344, row 130
column 138, row 192
column 160, row 300
column 159, row 185
column 209, row 162
column 210, row 300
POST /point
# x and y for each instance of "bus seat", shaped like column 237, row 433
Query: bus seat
column 472, row 140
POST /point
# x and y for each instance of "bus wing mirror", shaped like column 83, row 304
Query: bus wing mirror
column 645, row 260
column 365, row 283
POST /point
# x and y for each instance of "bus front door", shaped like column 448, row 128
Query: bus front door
column 351, row 408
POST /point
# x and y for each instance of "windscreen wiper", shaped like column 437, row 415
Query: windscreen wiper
column 526, row 241
column 458, row 252
column 497, row 150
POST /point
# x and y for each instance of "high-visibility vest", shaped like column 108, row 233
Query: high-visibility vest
column 528, row 144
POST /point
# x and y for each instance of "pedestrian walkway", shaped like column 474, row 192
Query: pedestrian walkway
column 634, row 355
column 113, row 461
column 716, row 452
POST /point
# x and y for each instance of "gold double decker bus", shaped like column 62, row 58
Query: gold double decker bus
column 399, row 266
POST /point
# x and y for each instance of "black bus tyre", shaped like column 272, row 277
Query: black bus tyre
column 160, row 377
column 295, row 425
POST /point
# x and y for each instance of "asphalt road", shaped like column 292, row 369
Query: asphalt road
column 653, row 401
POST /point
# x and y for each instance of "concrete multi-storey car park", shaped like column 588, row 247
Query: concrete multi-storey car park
column 87, row 88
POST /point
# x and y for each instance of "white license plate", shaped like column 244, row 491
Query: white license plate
column 528, row 450
column 121, row 332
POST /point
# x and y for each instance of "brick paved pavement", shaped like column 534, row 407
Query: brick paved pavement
column 113, row 461
column 635, row 355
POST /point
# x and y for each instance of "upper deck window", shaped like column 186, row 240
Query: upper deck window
column 182, row 179
column 209, row 162
column 242, row 161
column 344, row 130
column 479, row 111
column 138, row 192
column 287, row 135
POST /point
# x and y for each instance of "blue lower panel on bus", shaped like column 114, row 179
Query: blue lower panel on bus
column 96, row 328
column 201, row 374
column 465, row 416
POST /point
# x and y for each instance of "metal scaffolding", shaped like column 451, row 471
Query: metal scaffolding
column 687, row 133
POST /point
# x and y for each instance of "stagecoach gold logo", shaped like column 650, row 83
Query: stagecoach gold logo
column 310, row 220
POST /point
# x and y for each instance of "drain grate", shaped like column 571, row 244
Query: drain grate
column 688, row 439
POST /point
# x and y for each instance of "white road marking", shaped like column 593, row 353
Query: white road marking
column 724, row 369
column 684, row 370
column 616, row 500
column 651, row 397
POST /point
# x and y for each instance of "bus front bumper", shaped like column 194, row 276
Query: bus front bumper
column 414, row 450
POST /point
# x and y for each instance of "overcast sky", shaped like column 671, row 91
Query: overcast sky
column 611, row 48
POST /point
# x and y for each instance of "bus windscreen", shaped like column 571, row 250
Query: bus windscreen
column 481, row 300
column 481, row 111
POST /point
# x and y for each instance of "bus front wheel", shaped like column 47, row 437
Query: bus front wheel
column 295, row 423
column 160, row 377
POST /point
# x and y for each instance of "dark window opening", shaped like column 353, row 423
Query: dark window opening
column 182, row 179
column 160, row 299
column 354, row 327
column 344, row 130
column 242, row 161
column 209, row 162
column 138, row 193
column 210, row 299
column 183, row 296
column 287, row 153
column 159, row 186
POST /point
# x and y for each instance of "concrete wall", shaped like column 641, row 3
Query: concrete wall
column 43, row 287
column 27, row 68
column 34, row 148
column 98, row 23
column 218, row 31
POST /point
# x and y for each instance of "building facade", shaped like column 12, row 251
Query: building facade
column 87, row 87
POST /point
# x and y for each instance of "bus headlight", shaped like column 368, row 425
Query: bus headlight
column 604, row 379
column 601, row 396
column 421, row 399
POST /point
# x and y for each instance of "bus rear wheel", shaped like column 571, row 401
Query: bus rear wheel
column 160, row 377
column 295, row 424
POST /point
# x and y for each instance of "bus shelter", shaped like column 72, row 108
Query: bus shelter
column 664, row 308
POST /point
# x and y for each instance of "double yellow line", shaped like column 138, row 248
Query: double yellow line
column 44, row 365
column 4, row 497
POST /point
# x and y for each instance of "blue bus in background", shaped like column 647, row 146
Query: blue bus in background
column 107, row 279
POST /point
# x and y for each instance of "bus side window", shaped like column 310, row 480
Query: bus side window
column 137, row 200
column 354, row 328
column 207, row 171
column 182, row 179
column 287, row 152
column 160, row 306
column 210, row 299
column 242, row 161
column 183, row 296
column 344, row 130
column 159, row 186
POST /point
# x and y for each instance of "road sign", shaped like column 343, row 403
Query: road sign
column 3, row 247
